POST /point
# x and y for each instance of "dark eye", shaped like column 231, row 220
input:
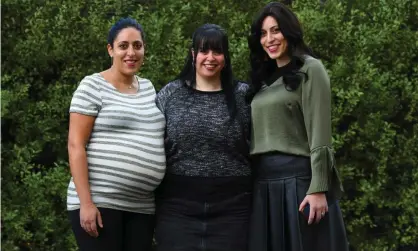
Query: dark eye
column 263, row 33
column 123, row 46
column 217, row 52
column 137, row 46
column 202, row 50
column 276, row 30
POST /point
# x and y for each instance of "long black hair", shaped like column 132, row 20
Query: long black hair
column 262, row 66
column 211, row 37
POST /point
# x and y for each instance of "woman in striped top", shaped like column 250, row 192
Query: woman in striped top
column 116, row 150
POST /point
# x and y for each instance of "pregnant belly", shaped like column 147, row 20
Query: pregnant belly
column 128, row 177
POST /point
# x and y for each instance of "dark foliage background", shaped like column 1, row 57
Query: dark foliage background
column 369, row 48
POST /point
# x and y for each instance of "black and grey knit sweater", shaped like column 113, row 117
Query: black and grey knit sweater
column 201, row 139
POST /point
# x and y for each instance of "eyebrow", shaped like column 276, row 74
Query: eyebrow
column 136, row 41
column 272, row 27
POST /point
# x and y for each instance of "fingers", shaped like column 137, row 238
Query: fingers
column 303, row 204
column 99, row 219
column 316, row 216
column 90, row 227
column 316, row 213
column 311, row 218
column 319, row 215
column 93, row 229
column 318, row 207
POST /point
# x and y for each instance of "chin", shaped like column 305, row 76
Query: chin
column 130, row 71
column 211, row 75
column 275, row 56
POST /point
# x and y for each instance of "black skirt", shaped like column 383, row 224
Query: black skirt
column 191, row 226
column 281, row 183
column 200, row 213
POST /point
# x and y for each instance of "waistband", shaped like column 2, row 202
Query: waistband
column 203, row 189
column 281, row 166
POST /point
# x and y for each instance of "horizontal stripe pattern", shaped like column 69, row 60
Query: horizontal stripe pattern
column 125, row 153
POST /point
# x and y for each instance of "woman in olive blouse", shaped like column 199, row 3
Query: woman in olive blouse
column 296, row 188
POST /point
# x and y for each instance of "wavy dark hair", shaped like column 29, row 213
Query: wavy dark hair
column 211, row 37
column 262, row 67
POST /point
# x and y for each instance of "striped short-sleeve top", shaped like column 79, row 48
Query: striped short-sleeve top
column 125, row 152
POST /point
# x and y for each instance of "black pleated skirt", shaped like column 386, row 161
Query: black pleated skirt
column 281, row 183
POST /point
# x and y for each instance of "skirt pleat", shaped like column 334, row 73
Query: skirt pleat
column 276, row 224
column 276, row 212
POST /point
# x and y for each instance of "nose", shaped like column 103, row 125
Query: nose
column 210, row 55
column 269, row 37
column 131, row 50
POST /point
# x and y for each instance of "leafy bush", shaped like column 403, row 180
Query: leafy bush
column 369, row 48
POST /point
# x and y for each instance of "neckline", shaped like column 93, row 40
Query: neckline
column 287, row 67
column 207, row 92
column 189, row 85
column 114, row 88
column 281, row 71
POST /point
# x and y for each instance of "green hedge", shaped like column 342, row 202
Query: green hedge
column 369, row 48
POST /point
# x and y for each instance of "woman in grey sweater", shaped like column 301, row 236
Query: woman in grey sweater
column 203, row 202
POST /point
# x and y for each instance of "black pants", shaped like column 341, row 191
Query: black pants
column 184, row 225
column 122, row 231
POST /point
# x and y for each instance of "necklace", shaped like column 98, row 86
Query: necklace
column 132, row 86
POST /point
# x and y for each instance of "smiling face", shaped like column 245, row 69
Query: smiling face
column 127, row 51
column 209, row 63
column 273, row 41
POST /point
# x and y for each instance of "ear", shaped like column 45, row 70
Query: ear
column 192, row 52
column 110, row 50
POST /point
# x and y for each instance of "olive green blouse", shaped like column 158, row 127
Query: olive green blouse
column 299, row 122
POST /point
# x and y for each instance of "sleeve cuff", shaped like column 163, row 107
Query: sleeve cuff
column 322, row 165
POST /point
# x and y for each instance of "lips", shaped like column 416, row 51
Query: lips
column 210, row 66
column 131, row 62
column 273, row 48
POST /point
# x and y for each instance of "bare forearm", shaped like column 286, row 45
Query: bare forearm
column 79, row 171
